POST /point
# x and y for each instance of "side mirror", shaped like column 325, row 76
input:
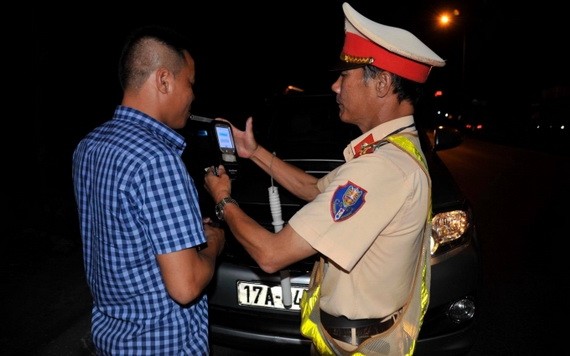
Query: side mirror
column 446, row 138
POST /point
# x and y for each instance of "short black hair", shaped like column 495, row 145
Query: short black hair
column 131, row 49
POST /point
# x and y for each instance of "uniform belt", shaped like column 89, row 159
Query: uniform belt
column 356, row 331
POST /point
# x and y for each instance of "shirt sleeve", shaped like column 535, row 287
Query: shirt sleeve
column 361, row 199
column 171, row 206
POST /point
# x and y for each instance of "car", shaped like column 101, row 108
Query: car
column 259, row 312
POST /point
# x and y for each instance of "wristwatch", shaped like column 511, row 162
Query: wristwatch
column 221, row 204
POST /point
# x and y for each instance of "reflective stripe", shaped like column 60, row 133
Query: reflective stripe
column 402, row 337
column 309, row 328
column 310, row 310
column 408, row 146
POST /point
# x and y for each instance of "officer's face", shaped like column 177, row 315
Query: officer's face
column 356, row 98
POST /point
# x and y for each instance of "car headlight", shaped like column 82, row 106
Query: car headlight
column 447, row 227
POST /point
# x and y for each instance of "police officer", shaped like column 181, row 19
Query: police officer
column 369, row 218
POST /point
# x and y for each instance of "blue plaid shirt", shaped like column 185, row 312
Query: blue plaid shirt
column 136, row 200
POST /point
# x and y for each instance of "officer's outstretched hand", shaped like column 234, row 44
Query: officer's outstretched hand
column 245, row 141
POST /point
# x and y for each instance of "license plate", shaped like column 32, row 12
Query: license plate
column 262, row 295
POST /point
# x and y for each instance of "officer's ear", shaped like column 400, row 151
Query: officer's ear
column 383, row 83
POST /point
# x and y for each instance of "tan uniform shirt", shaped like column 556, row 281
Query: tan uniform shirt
column 368, row 222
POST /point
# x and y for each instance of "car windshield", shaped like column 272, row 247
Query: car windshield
column 300, row 127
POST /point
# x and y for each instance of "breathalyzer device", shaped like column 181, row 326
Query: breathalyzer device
column 222, row 142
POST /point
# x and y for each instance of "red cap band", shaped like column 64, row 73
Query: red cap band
column 357, row 46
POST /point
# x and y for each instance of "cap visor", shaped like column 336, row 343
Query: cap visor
column 342, row 65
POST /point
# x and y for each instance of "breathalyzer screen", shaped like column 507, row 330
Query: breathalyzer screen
column 224, row 137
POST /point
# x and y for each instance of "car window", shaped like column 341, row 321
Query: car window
column 306, row 127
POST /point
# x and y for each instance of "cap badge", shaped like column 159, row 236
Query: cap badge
column 357, row 60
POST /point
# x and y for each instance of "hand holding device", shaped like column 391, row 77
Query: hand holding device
column 223, row 146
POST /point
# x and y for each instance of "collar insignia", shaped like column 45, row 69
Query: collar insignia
column 365, row 146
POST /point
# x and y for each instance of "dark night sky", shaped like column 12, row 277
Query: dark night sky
column 250, row 49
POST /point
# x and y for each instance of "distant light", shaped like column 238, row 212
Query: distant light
column 293, row 88
column 438, row 93
column 562, row 127
column 444, row 19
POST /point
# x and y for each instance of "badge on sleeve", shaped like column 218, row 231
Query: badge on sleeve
column 346, row 201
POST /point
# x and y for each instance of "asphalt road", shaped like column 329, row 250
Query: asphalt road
column 520, row 198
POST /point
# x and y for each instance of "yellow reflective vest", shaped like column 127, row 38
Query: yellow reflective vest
column 401, row 338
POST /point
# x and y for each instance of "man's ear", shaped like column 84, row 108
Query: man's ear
column 383, row 84
column 162, row 80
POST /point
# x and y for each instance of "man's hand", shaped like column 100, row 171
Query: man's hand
column 219, row 186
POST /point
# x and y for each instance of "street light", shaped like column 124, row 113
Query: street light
column 450, row 18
